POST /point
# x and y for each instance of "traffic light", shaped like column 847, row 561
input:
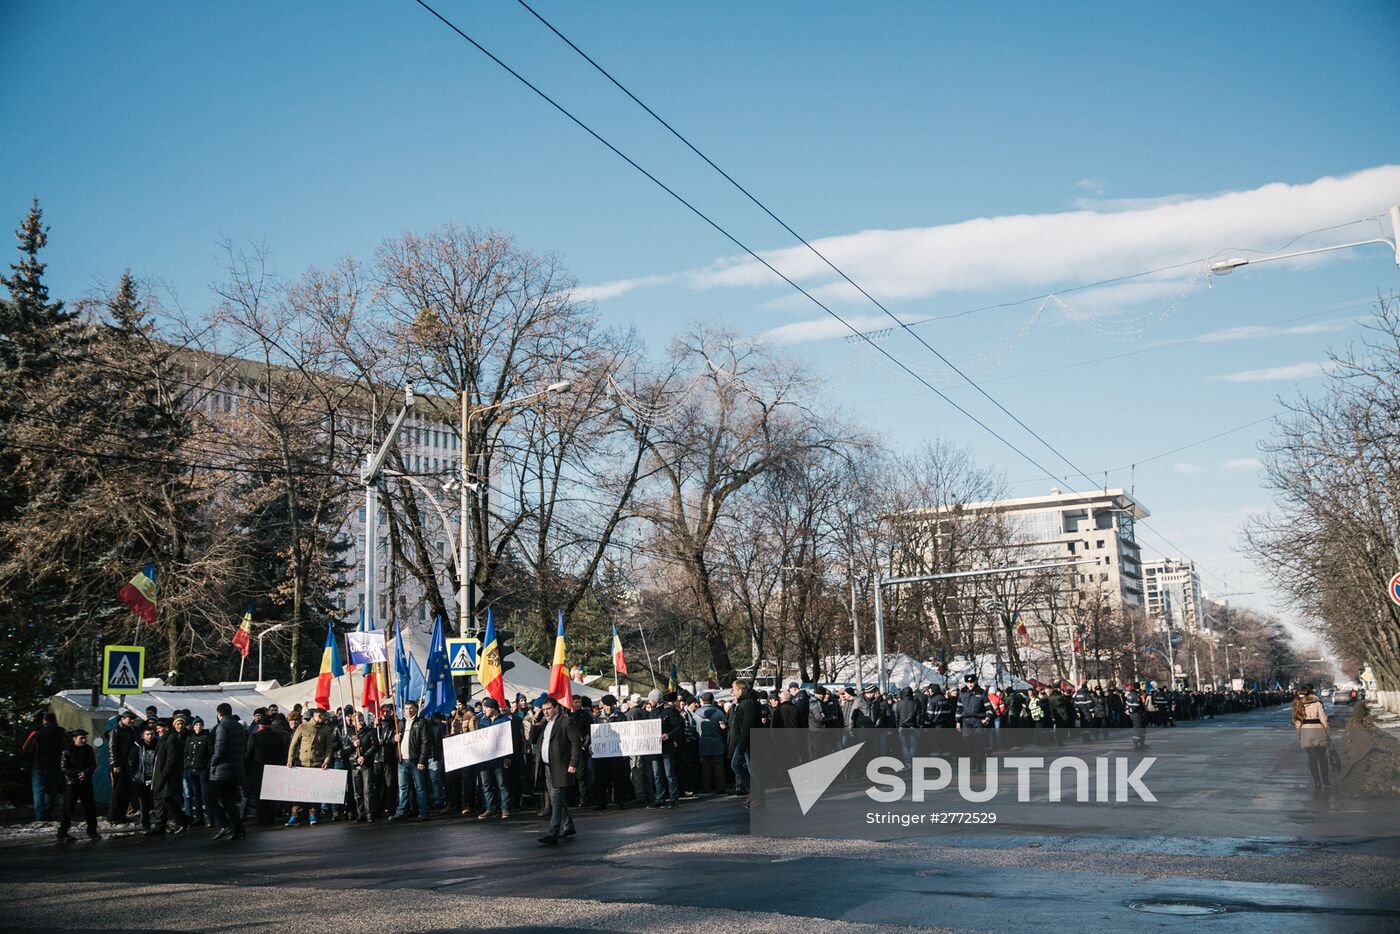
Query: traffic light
column 503, row 645
column 503, row 639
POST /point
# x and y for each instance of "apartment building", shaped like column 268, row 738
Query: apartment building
column 1097, row 526
column 1173, row 592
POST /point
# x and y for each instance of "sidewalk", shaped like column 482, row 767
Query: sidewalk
column 1370, row 753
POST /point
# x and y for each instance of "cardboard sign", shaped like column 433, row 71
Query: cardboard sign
column 634, row 738
column 123, row 668
column 303, row 785
column 482, row 745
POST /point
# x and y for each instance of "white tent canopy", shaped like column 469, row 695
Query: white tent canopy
column 200, row 700
column 906, row 671
column 903, row 671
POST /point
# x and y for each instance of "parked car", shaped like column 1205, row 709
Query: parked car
column 1344, row 697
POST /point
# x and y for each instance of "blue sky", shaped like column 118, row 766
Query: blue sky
column 1003, row 154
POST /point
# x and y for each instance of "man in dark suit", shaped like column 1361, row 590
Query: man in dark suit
column 561, row 756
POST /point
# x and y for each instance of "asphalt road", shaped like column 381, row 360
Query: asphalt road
column 1250, row 849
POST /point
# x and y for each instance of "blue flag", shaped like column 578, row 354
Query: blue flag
column 416, row 683
column 402, row 676
column 441, row 697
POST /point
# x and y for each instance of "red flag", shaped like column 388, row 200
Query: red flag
column 243, row 635
column 373, row 694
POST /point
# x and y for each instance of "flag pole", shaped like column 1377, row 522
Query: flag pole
column 650, row 666
column 242, row 658
column 350, row 671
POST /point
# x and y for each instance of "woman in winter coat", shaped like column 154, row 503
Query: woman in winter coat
column 1310, row 721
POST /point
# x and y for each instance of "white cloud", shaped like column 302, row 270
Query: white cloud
column 1128, row 204
column 1260, row 332
column 1242, row 463
column 1277, row 373
column 822, row 328
column 597, row 293
column 1044, row 250
column 1187, row 468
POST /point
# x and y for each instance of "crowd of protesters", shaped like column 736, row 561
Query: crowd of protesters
column 175, row 772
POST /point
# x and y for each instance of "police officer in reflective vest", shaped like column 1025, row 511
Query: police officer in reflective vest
column 1133, row 707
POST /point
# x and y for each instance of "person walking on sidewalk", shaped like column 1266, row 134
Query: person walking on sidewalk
column 1310, row 722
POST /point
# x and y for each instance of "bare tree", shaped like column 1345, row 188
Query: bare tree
column 1334, row 467
column 742, row 413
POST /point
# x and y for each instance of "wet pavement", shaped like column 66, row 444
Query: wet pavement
column 1252, row 849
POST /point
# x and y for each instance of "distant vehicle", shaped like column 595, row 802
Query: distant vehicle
column 1326, row 693
column 1344, row 697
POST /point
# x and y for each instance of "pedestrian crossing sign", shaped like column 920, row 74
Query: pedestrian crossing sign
column 461, row 655
column 123, row 668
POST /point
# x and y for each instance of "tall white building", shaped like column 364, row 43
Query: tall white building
column 1097, row 525
column 431, row 450
column 1173, row 592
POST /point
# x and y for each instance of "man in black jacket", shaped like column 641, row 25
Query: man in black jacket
column 119, row 745
column 908, row 711
column 141, row 766
column 199, row 744
column 743, row 715
column 227, row 754
column 583, row 723
column 561, row 755
column 610, row 772
column 1062, row 711
column 365, row 755
column 166, row 783
column 77, row 763
column 267, row 746
column 45, row 747
column 665, row 767
column 413, row 745
column 386, row 757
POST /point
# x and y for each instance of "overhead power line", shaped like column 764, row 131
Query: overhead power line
column 733, row 239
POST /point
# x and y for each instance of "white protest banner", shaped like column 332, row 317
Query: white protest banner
column 482, row 745
column 634, row 738
column 366, row 648
column 303, row 785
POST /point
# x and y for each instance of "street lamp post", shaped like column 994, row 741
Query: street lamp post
column 466, row 576
column 1226, row 266
column 266, row 632
column 882, row 582
column 369, row 476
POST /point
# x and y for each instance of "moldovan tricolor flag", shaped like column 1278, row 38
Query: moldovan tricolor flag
column 375, row 689
column 331, row 668
column 139, row 594
column 559, row 685
column 488, row 665
column 619, row 663
column 243, row 635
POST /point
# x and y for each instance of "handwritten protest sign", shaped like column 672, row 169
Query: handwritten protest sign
column 634, row 738
column 303, row 785
column 466, row 749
